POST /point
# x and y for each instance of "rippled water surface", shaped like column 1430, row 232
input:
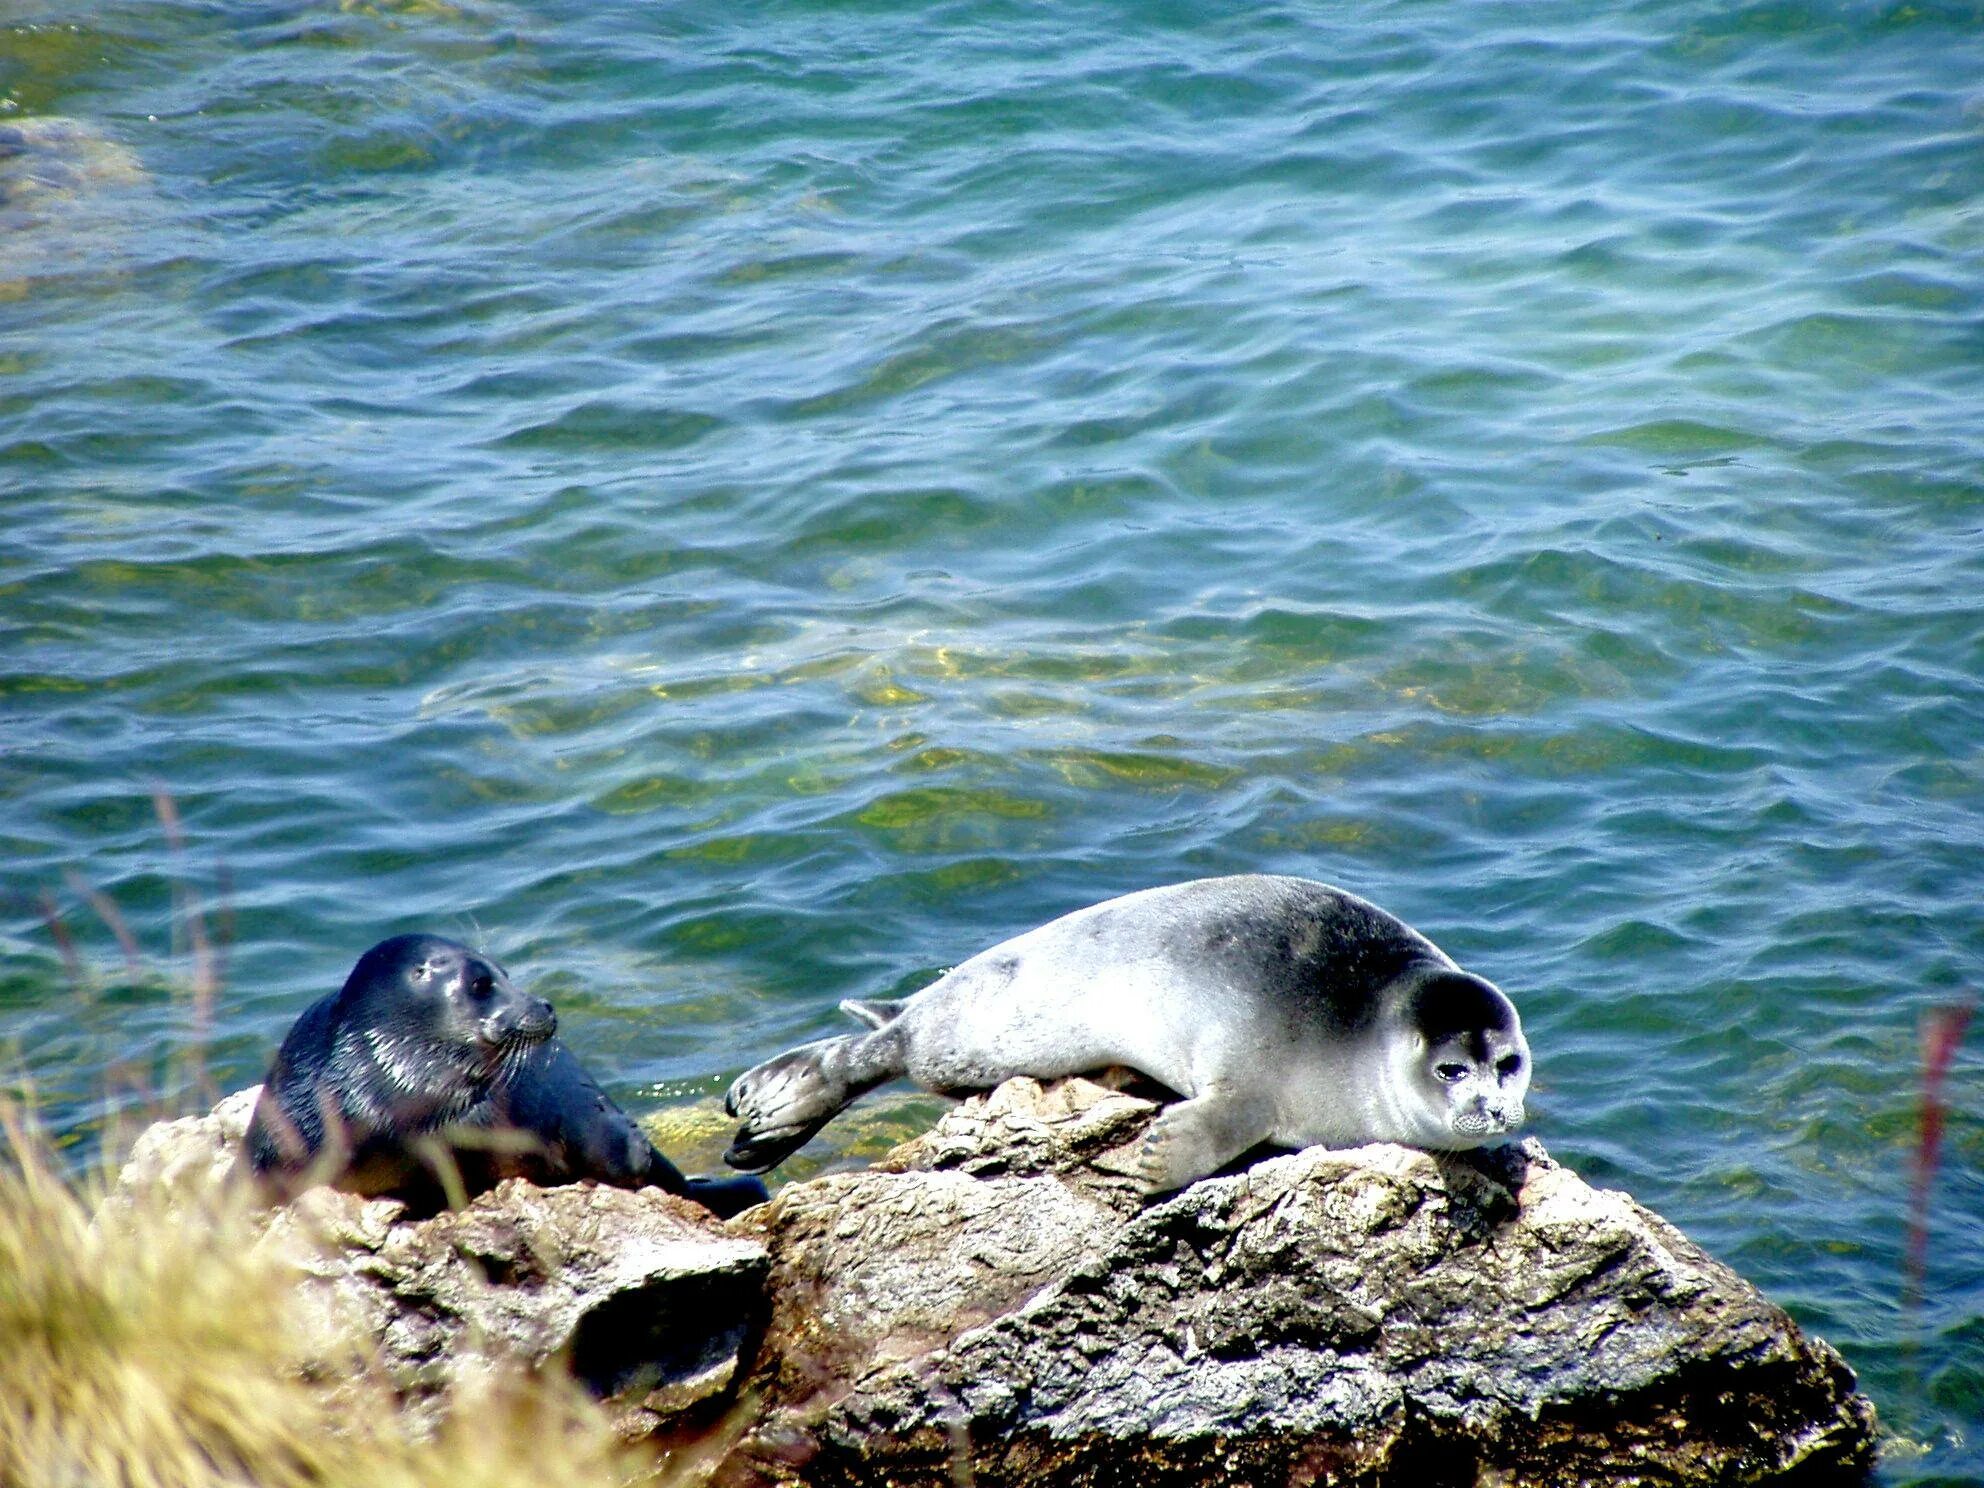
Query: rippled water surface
column 737, row 507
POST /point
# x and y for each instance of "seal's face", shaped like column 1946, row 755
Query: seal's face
column 1471, row 1062
column 458, row 1007
column 1482, row 1079
column 474, row 995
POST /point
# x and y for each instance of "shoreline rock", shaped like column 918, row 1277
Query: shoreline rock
column 994, row 1303
column 1380, row 1315
column 648, row 1299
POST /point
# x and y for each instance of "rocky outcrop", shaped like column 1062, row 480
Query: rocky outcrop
column 994, row 1303
column 640, row 1294
column 646, row 1297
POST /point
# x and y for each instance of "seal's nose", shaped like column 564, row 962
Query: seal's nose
column 524, row 1021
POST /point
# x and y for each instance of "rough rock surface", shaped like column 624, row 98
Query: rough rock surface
column 995, row 1305
column 644, row 1296
column 193, row 1154
column 648, row 1297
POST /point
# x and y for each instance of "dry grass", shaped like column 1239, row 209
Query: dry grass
column 153, row 1346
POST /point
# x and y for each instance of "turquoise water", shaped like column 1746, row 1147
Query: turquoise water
column 733, row 508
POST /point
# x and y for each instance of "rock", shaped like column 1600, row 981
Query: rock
column 648, row 1297
column 642, row 1294
column 46, row 157
column 192, row 1154
column 995, row 1305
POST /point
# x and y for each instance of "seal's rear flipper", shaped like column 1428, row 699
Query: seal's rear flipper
column 876, row 1012
column 724, row 1197
column 782, row 1102
column 754, row 1151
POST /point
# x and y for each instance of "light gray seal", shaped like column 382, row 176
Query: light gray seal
column 1282, row 1010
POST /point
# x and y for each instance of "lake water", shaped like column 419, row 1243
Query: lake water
column 737, row 507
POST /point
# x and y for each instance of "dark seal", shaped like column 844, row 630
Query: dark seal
column 430, row 1077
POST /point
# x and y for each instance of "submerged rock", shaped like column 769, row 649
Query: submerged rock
column 994, row 1303
column 45, row 159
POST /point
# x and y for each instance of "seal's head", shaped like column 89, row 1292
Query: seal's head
column 421, row 1001
column 419, row 1034
column 1465, row 1060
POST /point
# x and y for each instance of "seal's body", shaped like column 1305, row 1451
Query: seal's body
column 430, row 1077
column 1281, row 1009
column 547, row 1120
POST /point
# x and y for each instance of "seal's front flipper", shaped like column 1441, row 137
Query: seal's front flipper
column 1200, row 1136
column 560, row 1126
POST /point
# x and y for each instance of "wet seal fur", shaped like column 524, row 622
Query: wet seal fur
column 431, row 1077
column 1282, row 1010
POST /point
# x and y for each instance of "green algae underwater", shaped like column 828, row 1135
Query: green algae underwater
column 731, row 510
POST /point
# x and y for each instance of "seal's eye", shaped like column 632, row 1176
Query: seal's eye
column 481, row 986
column 1452, row 1073
column 1508, row 1065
